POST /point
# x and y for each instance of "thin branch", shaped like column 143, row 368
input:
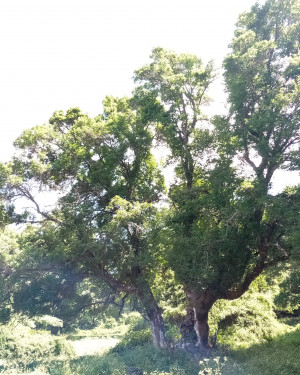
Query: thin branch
column 26, row 193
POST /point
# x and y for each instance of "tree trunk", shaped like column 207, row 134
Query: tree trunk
column 201, row 302
column 140, row 288
column 201, row 327
column 157, row 328
column 187, row 330
column 154, row 314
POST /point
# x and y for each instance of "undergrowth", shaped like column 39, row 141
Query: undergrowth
column 279, row 356
column 25, row 351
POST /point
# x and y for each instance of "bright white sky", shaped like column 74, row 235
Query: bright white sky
column 57, row 54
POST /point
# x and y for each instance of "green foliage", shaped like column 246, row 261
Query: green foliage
column 170, row 295
column 222, row 227
column 279, row 356
column 262, row 91
column 174, row 88
column 247, row 321
column 108, row 327
column 134, row 319
column 212, row 366
column 43, row 322
column 9, row 252
column 134, row 339
column 108, row 181
column 250, row 319
column 149, row 360
column 289, row 296
column 22, row 348
column 42, row 281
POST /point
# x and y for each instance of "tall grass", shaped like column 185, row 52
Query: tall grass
column 279, row 356
column 22, row 349
column 25, row 351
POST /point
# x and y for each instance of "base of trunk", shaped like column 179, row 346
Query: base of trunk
column 202, row 330
column 158, row 331
column 201, row 303
column 187, row 330
column 154, row 315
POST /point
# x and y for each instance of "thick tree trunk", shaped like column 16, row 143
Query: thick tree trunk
column 201, row 327
column 187, row 329
column 201, row 302
column 154, row 314
column 157, row 328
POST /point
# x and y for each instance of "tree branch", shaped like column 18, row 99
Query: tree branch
column 26, row 193
column 113, row 282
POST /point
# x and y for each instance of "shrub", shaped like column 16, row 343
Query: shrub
column 247, row 320
column 134, row 339
column 132, row 318
column 278, row 357
column 110, row 322
column 24, row 348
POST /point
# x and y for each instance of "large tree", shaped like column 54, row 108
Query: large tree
column 225, row 226
column 107, row 182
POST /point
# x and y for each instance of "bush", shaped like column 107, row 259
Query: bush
column 247, row 320
column 134, row 339
column 277, row 357
column 47, row 321
column 132, row 318
column 110, row 322
column 138, row 323
column 21, row 347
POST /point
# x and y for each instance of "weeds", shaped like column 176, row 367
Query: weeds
column 25, row 351
column 278, row 356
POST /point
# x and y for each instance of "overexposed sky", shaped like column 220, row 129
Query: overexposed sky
column 57, row 54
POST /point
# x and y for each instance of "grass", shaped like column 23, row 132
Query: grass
column 22, row 349
column 279, row 356
column 28, row 352
column 136, row 359
column 110, row 328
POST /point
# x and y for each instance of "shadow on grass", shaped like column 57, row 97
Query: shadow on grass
column 278, row 356
column 145, row 359
column 136, row 360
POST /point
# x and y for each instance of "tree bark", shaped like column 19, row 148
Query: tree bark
column 157, row 328
column 201, row 302
column 187, row 329
column 154, row 314
column 201, row 327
